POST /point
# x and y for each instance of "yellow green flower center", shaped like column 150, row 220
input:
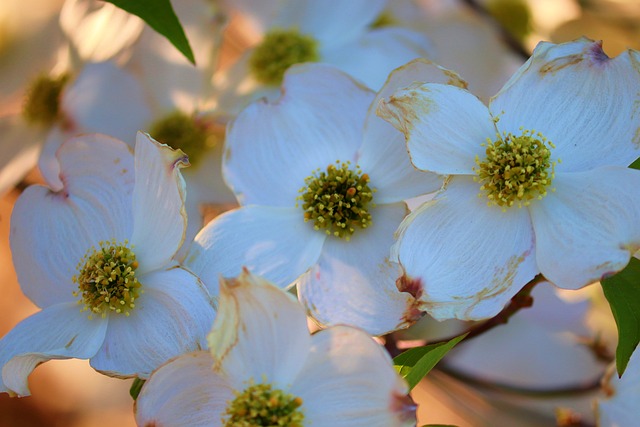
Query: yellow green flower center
column 260, row 405
column 107, row 280
column 186, row 132
column 279, row 50
column 42, row 102
column 516, row 169
column 337, row 200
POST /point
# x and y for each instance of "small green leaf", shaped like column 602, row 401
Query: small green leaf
column 136, row 386
column 623, row 293
column 160, row 16
column 415, row 363
column 636, row 164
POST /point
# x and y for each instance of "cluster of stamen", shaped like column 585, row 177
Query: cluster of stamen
column 185, row 132
column 279, row 50
column 516, row 169
column 107, row 280
column 337, row 200
column 42, row 102
column 259, row 405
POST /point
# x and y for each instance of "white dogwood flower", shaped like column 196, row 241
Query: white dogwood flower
column 96, row 256
column 538, row 181
column 264, row 368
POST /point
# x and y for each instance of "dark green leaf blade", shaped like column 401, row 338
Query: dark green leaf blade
column 635, row 164
column 415, row 363
column 160, row 16
column 136, row 387
column 623, row 293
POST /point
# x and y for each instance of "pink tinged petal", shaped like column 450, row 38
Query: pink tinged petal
column 348, row 381
column 372, row 56
column 584, row 102
column 171, row 317
column 332, row 23
column 183, row 392
column 354, row 283
column 159, row 214
column 272, row 147
column 98, row 31
column 274, row 243
column 260, row 333
column 587, row 228
column 469, row 258
column 52, row 231
column 19, row 150
column 384, row 150
column 444, row 126
column 106, row 99
column 61, row 331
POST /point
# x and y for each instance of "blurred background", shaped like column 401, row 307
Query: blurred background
column 69, row 393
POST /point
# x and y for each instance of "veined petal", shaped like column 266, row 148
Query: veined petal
column 354, row 283
column 52, row 231
column 60, row 331
column 468, row 258
column 272, row 147
column 159, row 215
column 384, row 150
column 19, row 150
column 331, row 23
column 444, row 126
column 372, row 56
column 171, row 317
column 260, row 333
column 183, row 392
column 588, row 227
column 348, row 381
column 581, row 100
column 106, row 99
column 274, row 243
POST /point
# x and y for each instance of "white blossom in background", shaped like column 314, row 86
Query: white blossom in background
column 619, row 407
column 538, row 182
column 322, row 182
column 263, row 368
column 338, row 32
column 90, row 254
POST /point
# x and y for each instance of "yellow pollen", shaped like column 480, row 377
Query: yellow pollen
column 516, row 169
column 107, row 280
column 259, row 405
column 279, row 50
column 337, row 200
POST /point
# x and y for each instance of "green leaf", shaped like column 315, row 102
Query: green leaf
column 623, row 293
column 636, row 164
column 160, row 16
column 415, row 363
column 136, row 386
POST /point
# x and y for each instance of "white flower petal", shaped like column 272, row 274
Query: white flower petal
column 468, row 258
column 171, row 317
column 588, row 227
column 260, row 333
column 579, row 99
column 274, row 243
column 348, row 381
column 61, row 331
column 384, row 150
column 159, row 215
column 444, row 126
column 354, row 283
column 19, row 150
column 272, row 147
column 52, row 231
column 98, row 30
column 620, row 408
column 372, row 56
column 330, row 22
column 184, row 392
column 106, row 99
